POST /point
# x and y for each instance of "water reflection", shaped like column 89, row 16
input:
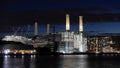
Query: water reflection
column 62, row 61
column 74, row 61
column 47, row 61
column 18, row 62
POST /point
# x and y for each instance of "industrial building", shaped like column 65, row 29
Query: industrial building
column 72, row 41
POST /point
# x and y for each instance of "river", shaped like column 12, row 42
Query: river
column 62, row 61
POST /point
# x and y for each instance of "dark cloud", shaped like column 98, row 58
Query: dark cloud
column 17, row 5
column 52, row 11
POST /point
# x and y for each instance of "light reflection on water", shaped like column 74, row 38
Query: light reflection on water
column 62, row 61
column 77, row 61
column 18, row 61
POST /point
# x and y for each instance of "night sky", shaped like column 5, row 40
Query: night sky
column 99, row 15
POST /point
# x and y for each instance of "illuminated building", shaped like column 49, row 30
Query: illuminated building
column 66, row 43
column 80, row 42
column 72, row 42
column 99, row 44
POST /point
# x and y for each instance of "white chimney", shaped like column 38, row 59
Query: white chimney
column 48, row 28
column 80, row 24
column 36, row 28
column 67, row 22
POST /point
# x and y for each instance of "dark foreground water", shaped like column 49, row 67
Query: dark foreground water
column 62, row 61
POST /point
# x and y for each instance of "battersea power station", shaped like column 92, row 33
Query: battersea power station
column 72, row 41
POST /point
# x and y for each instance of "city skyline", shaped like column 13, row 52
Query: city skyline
column 95, row 27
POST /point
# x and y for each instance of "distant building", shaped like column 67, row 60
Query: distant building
column 70, row 41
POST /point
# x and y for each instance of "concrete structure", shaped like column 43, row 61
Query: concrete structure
column 80, row 42
column 72, row 42
column 67, row 22
column 36, row 28
column 80, row 24
column 48, row 28
column 66, row 43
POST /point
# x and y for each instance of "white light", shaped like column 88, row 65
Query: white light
column 67, row 22
column 80, row 24
column 14, row 52
column 7, row 51
column 34, row 55
column 34, row 50
column 31, row 56
column 6, row 56
column 62, row 51
column 22, row 52
column 22, row 56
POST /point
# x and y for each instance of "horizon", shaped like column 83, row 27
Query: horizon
column 95, row 27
